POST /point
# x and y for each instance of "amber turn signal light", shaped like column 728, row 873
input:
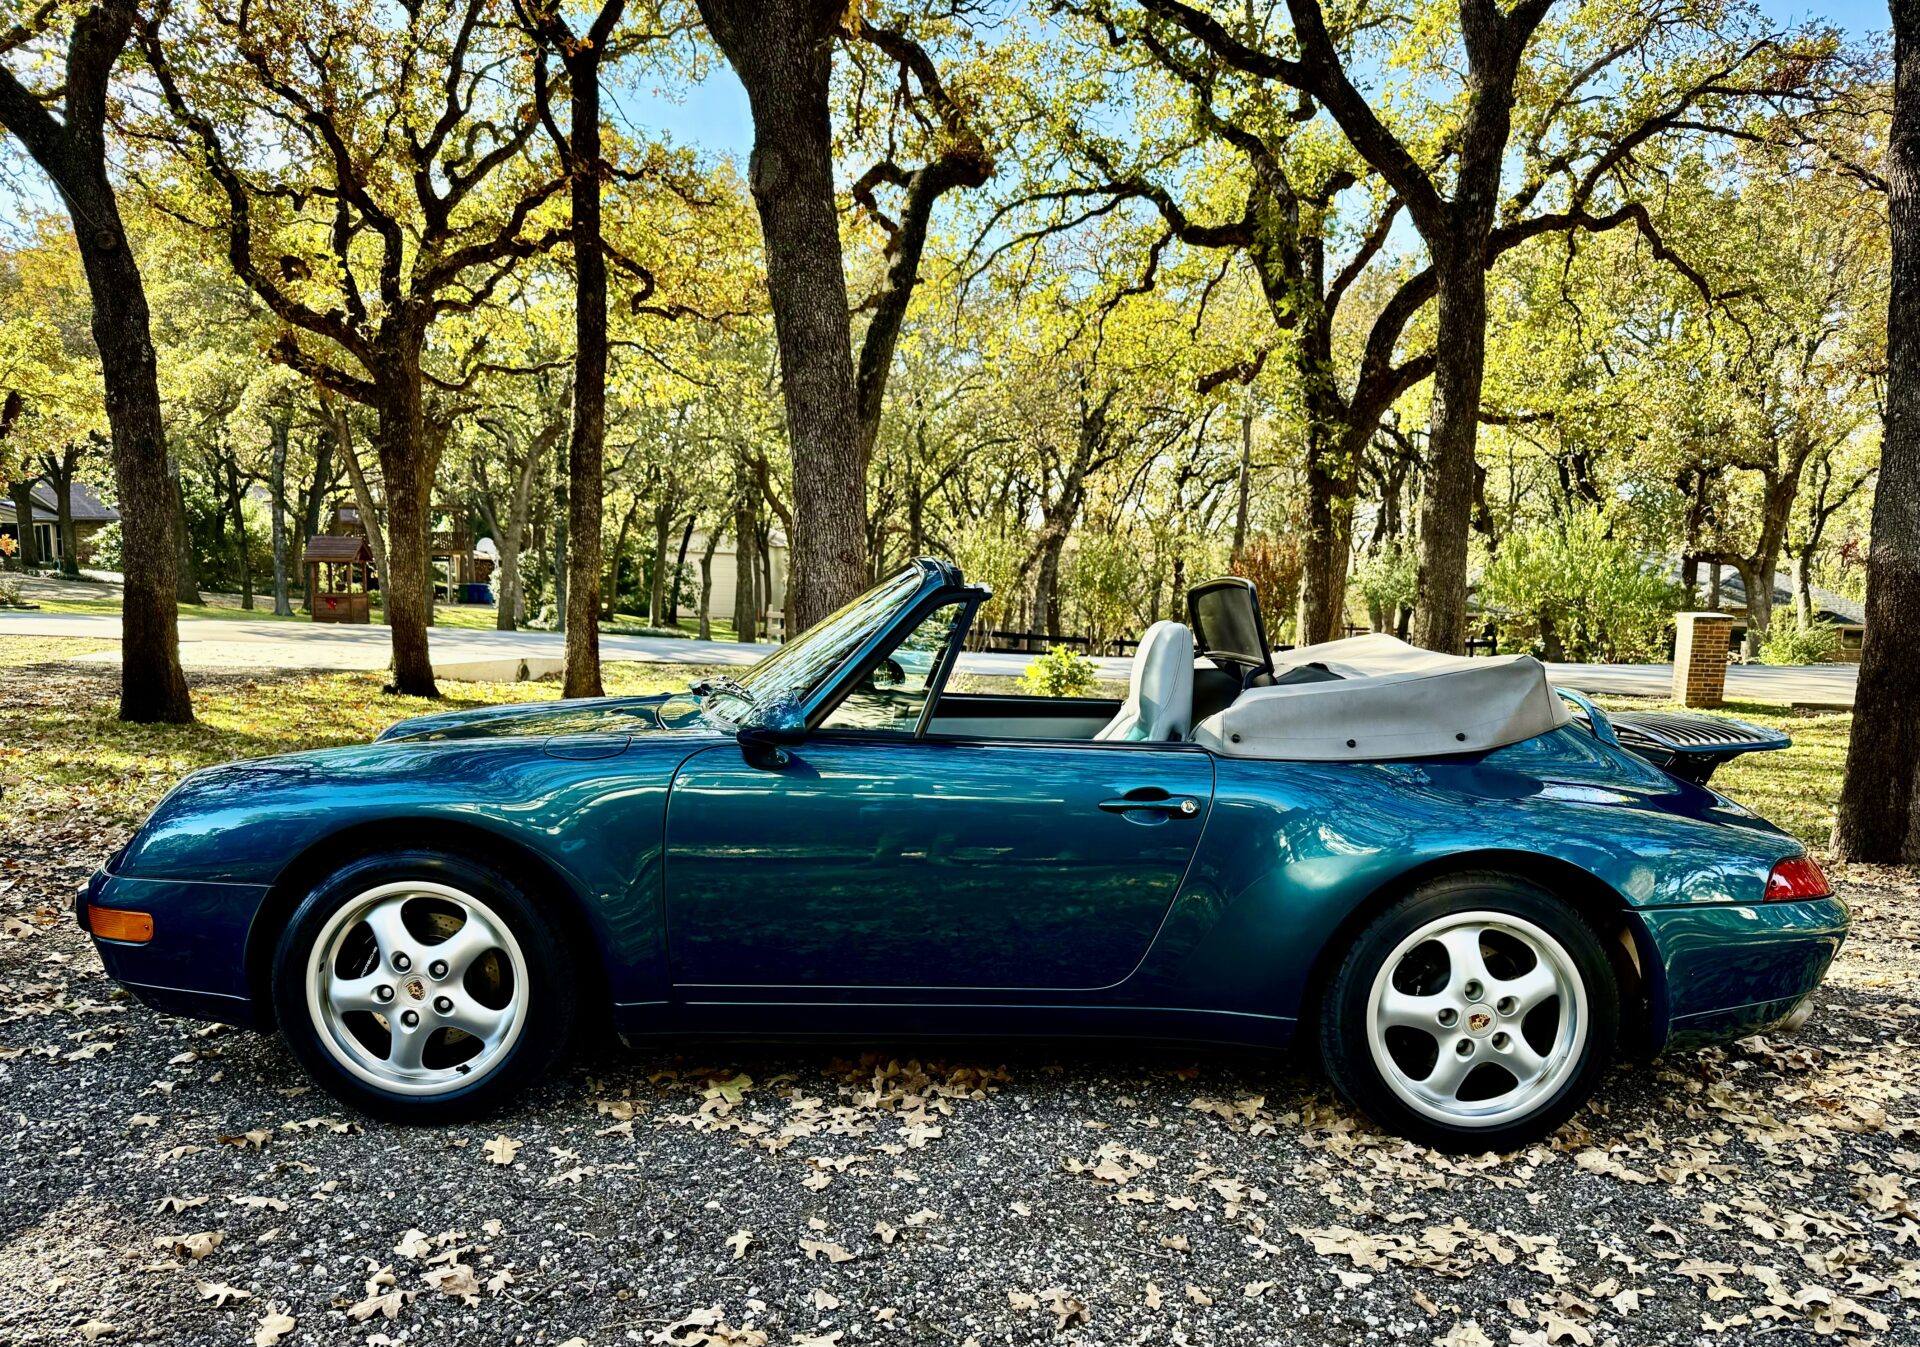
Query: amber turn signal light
column 1797, row 877
column 115, row 923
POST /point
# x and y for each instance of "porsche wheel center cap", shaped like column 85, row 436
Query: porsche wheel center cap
column 1479, row 1022
column 418, row 991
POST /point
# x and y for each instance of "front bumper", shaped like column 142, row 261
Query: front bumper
column 195, row 965
column 1728, row 970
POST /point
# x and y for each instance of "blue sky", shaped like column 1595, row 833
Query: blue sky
column 713, row 115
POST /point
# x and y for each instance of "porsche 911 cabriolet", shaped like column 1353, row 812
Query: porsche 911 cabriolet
column 1468, row 891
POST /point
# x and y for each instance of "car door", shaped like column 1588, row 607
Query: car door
column 896, row 861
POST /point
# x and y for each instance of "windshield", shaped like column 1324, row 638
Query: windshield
column 774, row 691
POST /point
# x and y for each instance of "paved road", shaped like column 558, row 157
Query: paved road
column 207, row 643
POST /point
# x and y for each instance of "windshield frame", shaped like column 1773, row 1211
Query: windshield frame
column 801, row 704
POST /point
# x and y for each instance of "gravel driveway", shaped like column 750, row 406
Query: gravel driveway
column 162, row 1181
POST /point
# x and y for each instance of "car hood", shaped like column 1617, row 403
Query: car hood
column 595, row 715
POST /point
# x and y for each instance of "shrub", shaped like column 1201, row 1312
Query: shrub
column 1386, row 581
column 106, row 548
column 1791, row 643
column 10, row 592
column 1061, row 672
column 1274, row 565
column 1102, row 579
column 1573, row 592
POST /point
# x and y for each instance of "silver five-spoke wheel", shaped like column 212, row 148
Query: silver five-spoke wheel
column 1477, row 1018
column 416, row 987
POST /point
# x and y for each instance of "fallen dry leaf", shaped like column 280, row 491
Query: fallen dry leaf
column 501, row 1150
column 274, row 1325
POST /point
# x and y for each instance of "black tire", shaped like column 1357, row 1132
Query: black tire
column 550, row 1016
column 1344, row 1011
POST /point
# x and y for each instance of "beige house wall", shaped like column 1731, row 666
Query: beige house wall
column 726, row 571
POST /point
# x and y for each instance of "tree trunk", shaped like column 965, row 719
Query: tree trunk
column 277, row 490
column 403, row 584
column 314, row 502
column 236, row 503
column 1757, row 581
column 673, row 582
column 1243, row 488
column 1552, row 649
column 1326, row 541
column 706, row 584
column 562, row 518
column 1776, row 515
column 783, row 53
column 1446, row 510
column 763, row 553
column 152, row 686
column 63, row 520
column 363, row 497
column 74, row 154
column 657, row 589
column 1323, row 575
column 745, row 610
column 61, row 469
column 1877, row 820
column 1802, row 590
column 619, row 560
column 187, row 577
column 514, row 610
column 22, row 493
column 506, row 601
column 586, row 453
column 1046, row 589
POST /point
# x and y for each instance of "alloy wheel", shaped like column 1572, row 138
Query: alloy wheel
column 417, row 988
column 1476, row 1019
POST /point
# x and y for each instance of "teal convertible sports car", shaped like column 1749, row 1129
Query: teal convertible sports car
column 1465, row 890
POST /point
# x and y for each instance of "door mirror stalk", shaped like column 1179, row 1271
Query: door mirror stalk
column 767, row 745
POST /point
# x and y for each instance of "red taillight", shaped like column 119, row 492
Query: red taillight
column 1797, row 877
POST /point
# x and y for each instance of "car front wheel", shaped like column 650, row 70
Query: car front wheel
column 1476, row 1013
column 421, row 987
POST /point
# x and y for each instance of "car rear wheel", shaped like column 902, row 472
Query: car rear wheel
column 1476, row 1013
column 421, row 987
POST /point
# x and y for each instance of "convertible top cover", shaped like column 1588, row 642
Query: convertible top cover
column 1370, row 698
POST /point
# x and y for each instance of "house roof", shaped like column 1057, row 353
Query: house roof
column 88, row 508
column 336, row 547
column 1828, row 606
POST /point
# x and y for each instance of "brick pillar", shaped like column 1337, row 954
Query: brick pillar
column 1700, row 658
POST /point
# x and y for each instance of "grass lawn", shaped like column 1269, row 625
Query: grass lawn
column 16, row 651
column 229, row 611
column 468, row 617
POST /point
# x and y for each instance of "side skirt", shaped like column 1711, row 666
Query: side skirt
column 874, row 1019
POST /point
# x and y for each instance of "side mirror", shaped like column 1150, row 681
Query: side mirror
column 766, row 745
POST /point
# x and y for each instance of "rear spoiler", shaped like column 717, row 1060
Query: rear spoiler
column 1681, row 743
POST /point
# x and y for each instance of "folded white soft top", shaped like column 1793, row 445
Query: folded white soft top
column 1388, row 700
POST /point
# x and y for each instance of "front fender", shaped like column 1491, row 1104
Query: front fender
column 596, row 824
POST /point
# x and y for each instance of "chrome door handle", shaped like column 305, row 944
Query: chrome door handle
column 1179, row 806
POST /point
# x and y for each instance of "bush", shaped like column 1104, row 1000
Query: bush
column 1791, row 643
column 1103, row 577
column 1386, row 580
column 10, row 592
column 1061, row 672
column 1274, row 565
column 1570, row 591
